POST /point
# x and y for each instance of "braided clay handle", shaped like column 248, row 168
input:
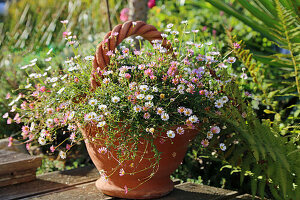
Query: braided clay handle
column 111, row 41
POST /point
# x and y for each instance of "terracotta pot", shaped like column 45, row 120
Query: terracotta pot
column 160, row 184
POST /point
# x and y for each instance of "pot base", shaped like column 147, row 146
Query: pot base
column 153, row 188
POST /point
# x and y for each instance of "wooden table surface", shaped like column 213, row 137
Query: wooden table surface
column 80, row 184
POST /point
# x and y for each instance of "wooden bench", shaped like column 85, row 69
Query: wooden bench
column 80, row 184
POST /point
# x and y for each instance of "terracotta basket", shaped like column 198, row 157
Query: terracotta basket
column 172, row 153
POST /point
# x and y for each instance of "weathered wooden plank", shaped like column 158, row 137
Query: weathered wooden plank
column 85, row 191
column 50, row 182
column 193, row 191
column 11, row 161
column 17, row 177
column 183, row 191
column 17, row 167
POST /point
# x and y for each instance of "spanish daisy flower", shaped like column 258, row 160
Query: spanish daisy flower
column 170, row 25
column 215, row 130
column 102, row 107
column 209, row 135
column 151, row 130
column 137, row 108
column 49, row 122
column 52, row 148
column 102, row 150
column 222, row 146
column 181, row 109
column 99, row 118
column 140, row 96
column 187, row 112
column 160, row 111
column 171, row 134
column 104, row 177
column 101, row 124
column 132, row 85
column 184, row 22
column 92, row 102
column 42, row 141
column 205, row 143
column 64, row 21
column 122, row 172
column 224, row 99
column 106, row 80
column 146, row 115
column 193, row 119
column 180, row 130
column 231, row 60
column 149, row 97
column 71, row 115
column 219, row 103
column 144, row 88
column 149, row 104
column 154, row 89
column 142, row 67
column 90, row 116
column 115, row 99
column 164, row 35
column 165, row 117
column 62, row 154
column 180, row 87
column 25, row 129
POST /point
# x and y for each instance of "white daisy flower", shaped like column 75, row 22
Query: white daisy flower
column 224, row 99
column 210, row 135
column 180, row 130
column 222, row 146
column 149, row 97
column 48, row 59
column 53, row 79
column 62, row 154
column 154, row 89
column 34, row 60
column 99, row 118
column 101, row 124
column 165, row 117
column 42, row 141
column 137, row 108
column 106, row 80
column 140, row 96
column 89, row 58
column 188, row 112
column 90, row 116
column 180, row 87
column 193, row 119
column 61, row 90
column 160, row 111
column 115, row 99
column 144, row 88
column 28, row 86
column 219, row 103
column 24, row 67
column 102, row 107
column 149, row 104
column 171, row 134
column 71, row 116
column 170, row 25
column 93, row 102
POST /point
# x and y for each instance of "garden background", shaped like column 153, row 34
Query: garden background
column 266, row 30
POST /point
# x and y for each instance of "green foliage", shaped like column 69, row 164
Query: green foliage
column 259, row 151
column 279, row 21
